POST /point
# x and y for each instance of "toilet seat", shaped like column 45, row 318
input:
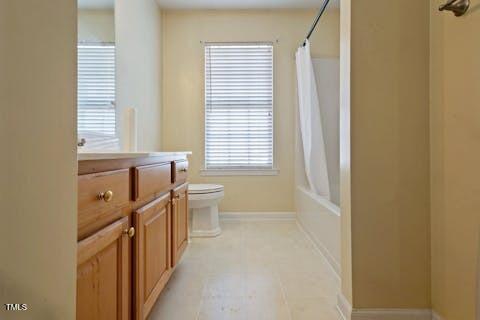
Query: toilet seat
column 204, row 188
column 201, row 195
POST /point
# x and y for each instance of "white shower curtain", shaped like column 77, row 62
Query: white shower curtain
column 311, row 124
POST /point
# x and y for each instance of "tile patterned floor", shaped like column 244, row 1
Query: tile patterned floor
column 261, row 270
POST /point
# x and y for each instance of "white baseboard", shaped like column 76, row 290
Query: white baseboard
column 391, row 314
column 258, row 215
column 205, row 234
column 349, row 313
column 436, row 316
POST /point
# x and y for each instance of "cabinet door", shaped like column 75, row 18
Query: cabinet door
column 152, row 253
column 103, row 274
column 179, row 222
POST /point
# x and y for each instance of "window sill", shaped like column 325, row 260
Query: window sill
column 239, row 172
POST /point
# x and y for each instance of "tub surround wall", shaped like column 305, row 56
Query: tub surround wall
column 327, row 75
column 183, row 96
column 328, row 88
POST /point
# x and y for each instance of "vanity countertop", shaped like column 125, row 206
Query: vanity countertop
column 85, row 156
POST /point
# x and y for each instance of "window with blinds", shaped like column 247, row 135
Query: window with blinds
column 238, row 106
column 96, row 90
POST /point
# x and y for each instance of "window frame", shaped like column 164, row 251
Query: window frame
column 253, row 171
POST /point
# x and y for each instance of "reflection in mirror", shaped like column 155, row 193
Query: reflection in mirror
column 96, row 122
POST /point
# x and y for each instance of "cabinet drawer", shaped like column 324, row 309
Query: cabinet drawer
column 100, row 198
column 152, row 180
column 180, row 171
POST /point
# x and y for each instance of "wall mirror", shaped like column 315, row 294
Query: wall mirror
column 96, row 95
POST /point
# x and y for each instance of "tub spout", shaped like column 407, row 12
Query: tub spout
column 458, row 7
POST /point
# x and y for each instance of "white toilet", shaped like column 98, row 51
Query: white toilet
column 203, row 201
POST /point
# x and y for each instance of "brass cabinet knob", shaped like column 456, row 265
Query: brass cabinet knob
column 106, row 196
column 129, row 232
column 177, row 196
column 183, row 170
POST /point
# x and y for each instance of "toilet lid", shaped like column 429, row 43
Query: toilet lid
column 204, row 188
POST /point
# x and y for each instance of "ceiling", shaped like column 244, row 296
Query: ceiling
column 217, row 4
column 96, row 4
column 243, row 4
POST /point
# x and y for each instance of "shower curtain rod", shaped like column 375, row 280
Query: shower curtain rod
column 319, row 15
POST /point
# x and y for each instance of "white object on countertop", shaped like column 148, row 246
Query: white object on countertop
column 203, row 201
column 131, row 121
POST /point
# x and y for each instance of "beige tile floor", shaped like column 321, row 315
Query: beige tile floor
column 259, row 270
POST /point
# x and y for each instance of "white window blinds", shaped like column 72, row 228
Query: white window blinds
column 239, row 106
column 96, row 89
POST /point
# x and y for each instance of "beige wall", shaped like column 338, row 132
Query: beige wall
column 139, row 81
column 455, row 155
column 183, row 99
column 96, row 25
column 38, row 161
column 390, row 154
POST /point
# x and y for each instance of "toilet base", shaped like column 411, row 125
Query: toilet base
column 204, row 222
column 205, row 233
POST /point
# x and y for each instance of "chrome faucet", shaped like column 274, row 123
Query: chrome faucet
column 81, row 143
column 458, row 7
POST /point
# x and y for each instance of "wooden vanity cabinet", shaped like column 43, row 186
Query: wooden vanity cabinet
column 103, row 274
column 179, row 222
column 152, row 253
column 132, row 232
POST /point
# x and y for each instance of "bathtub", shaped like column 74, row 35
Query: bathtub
column 320, row 219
